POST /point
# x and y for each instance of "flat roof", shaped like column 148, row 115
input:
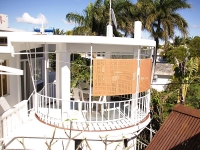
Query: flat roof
column 164, row 69
column 3, row 29
column 76, row 43
column 53, row 39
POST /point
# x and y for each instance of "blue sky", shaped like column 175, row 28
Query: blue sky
column 55, row 11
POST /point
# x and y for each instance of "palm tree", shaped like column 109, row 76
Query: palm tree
column 160, row 18
column 178, row 41
column 96, row 17
column 70, row 32
column 58, row 32
column 185, row 72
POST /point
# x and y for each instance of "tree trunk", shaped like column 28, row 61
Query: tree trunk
column 156, row 49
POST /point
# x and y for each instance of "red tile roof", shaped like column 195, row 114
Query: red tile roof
column 181, row 131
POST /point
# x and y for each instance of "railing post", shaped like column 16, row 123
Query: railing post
column 35, row 102
column 134, row 106
column 148, row 100
column 134, row 144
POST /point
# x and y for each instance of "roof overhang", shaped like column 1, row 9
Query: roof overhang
column 10, row 71
column 20, row 40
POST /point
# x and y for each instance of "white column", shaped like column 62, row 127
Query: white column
column 58, row 79
column 135, row 95
column 18, row 79
column 64, row 76
column 137, row 30
column 46, row 66
column 109, row 32
column 58, row 73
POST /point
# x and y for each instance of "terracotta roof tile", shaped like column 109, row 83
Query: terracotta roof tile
column 181, row 131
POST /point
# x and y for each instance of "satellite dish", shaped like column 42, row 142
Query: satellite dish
column 113, row 18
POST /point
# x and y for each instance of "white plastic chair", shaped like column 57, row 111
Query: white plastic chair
column 4, row 104
column 78, row 96
column 101, row 102
column 103, row 99
column 83, row 85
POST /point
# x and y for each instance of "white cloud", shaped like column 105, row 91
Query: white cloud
column 66, row 22
column 28, row 19
column 194, row 26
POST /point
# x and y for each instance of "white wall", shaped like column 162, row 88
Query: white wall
column 4, row 21
column 99, row 145
column 14, row 92
column 160, row 83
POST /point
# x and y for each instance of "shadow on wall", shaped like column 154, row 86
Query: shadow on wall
column 52, row 77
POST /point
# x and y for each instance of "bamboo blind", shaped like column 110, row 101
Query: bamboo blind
column 114, row 76
column 145, row 74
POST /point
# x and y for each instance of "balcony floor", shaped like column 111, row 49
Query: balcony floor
column 37, row 130
column 81, row 119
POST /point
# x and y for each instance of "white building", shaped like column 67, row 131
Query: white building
column 49, row 105
column 162, row 76
column 4, row 25
column 163, row 73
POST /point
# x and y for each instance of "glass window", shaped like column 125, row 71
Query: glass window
column 3, row 82
column 3, row 41
column 37, row 71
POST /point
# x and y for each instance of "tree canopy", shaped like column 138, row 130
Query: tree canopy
column 95, row 18
column 160, row 18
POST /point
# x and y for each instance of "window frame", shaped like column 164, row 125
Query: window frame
column 5, row 81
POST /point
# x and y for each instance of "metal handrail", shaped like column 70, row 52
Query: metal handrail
column 30, row 102
column 119, row 109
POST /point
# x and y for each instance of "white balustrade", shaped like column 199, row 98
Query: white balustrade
column 14, row 117
column 141, row 145
column 30, row 103
column 49, row 109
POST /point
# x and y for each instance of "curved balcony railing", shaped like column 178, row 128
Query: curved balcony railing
column 125, row 112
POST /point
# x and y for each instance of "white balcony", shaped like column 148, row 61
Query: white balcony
column 103, row 116
column 113, row 118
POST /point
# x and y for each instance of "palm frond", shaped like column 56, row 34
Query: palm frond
column 76, row 18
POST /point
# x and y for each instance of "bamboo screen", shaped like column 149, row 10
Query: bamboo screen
column 114, row 76
column 145, row 74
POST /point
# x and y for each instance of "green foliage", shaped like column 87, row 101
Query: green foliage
column 80, row 69
column 161, row 107
column 194, row 45
column 186, row 73
column 178, row 41
column 179, row 52
column 58, row 32
column 162, row 104
column 191, row 47
column 160, row 46
column 193, row 95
